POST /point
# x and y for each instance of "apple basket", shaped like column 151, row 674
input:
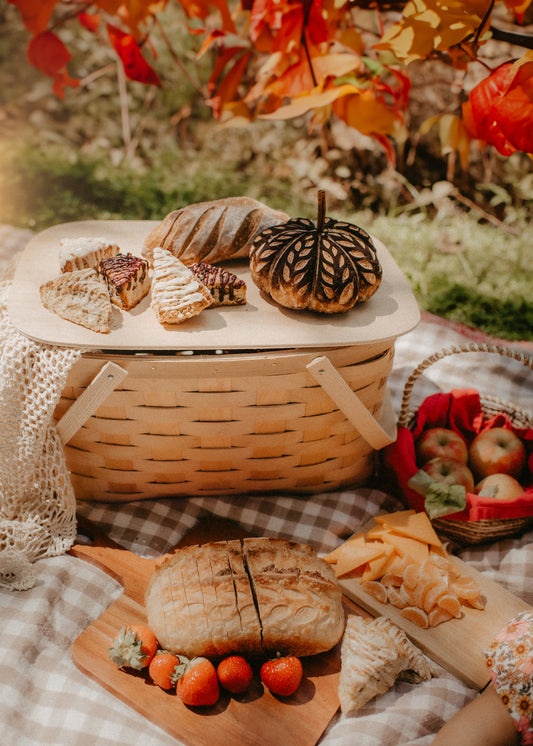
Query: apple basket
column 484, row 519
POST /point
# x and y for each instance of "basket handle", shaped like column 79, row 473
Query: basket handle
column 327, row 376
column 456, row 349
column 106, row 381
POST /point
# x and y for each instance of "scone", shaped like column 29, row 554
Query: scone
column 79, row 296
column 176, row 293
column 225, row 287
column 127, row 279
column 79, row 253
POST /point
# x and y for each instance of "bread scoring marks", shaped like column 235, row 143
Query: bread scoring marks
column 337, row 264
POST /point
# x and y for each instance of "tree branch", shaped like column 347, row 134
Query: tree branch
column 520, row 40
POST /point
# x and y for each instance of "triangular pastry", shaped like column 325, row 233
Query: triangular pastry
column 81, row 297
column 176, row 293
column 374, row 654
column 79, row 253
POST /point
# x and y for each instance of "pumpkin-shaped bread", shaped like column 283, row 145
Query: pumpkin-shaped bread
column 327, row 266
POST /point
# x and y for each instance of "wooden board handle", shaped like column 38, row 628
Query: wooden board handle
column 325, row 374
column 97, row 391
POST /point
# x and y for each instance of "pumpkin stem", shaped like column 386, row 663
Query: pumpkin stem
column 321, row 210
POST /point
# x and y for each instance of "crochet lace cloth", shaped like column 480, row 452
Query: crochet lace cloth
column 37, row 502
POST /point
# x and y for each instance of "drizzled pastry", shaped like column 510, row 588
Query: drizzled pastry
column 225, row 287
column 127, row 279
column 176, row 293
column 79, row 253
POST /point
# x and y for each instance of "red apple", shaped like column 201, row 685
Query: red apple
column 440, row 442
column 500, row 486
column 496, row 451
column 450, row 471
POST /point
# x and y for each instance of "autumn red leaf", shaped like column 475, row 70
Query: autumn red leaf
column 135, row 66
column 500, row 108
column 90, row 21
column 35, row 16
column 48, row 54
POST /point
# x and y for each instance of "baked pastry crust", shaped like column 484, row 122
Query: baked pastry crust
column 225, row 287
column 374, row 654
column 176, row 293
column 212, row 231
column 127, row 279
column 79, row 296
column 253, row 596
column 79, row 253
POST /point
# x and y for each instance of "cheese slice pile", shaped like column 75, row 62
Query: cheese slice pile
column 401, row 561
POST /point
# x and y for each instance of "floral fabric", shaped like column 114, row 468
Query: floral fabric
column 509, row 659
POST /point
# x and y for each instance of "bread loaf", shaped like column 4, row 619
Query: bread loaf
column 253, row 596
column 212, row 231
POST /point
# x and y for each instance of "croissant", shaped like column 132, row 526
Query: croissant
column 213, row 231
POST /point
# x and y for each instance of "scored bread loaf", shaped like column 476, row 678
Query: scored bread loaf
column 253, row 596
column 212, row 231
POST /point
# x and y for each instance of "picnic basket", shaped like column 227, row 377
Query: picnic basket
column 464, row 530
column 182, row 425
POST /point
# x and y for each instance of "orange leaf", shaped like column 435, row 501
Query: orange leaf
column 518, row 7
column 132, row 13
column 431, row 25
column 90, row 21
column 227, row 90
column 35, row 15
column 135, row 66
column 202, row 8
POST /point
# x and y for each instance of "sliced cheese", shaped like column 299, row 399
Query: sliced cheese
column 333, row 556
column 408, row 547
column 355, row 556
column 377, row 568
column 414, row 525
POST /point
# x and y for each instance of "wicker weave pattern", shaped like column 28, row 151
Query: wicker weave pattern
column 473, row 532
column 226, row 424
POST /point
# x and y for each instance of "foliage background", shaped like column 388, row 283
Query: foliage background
column 117, row 149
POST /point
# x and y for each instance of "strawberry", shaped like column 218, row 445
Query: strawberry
column 282, row 675
column 134, row 647
column 197, row 682
column 235, row 674
column 162, row 669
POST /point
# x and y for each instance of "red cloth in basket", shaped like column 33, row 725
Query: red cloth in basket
column 460, row 410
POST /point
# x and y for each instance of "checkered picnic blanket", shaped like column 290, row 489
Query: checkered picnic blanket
column 45, row 699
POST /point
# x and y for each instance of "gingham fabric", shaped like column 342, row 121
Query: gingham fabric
column 44, row 699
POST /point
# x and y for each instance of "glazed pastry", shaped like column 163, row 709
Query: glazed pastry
column 79, row 253
column 225, row 287
column 176, row 293
column 127, row 279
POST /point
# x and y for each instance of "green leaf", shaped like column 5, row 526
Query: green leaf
column 444, row 499
column 420, row 482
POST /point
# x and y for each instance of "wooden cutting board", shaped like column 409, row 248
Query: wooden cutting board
column 256, row 718
column 456, row 645
column 391, row 312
